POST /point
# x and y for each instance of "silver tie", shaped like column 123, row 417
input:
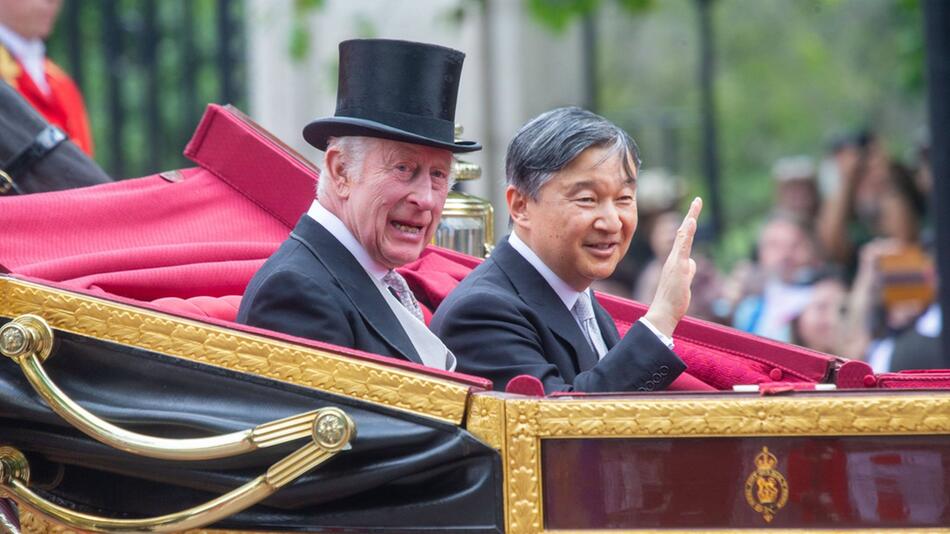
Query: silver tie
column 401, row 289
column 583, row 310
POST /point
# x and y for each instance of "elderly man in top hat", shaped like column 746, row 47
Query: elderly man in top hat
column 385, row 176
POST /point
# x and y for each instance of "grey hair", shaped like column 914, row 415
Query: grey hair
column 551, row 141
column 354, row 149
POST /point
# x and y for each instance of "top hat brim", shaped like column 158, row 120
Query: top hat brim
column 318, row 133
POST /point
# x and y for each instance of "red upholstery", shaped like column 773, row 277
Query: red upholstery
column 224, row 308
column 855, row 374
column 917, row 379
column 525, row 385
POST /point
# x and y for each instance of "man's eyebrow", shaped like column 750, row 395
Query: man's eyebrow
column 581, row 185
column 592, row 184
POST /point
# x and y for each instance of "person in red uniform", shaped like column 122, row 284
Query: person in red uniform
column 24, row 65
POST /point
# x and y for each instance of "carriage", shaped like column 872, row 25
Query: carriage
column 130, row 400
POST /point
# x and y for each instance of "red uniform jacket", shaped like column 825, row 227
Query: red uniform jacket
column 64, row 105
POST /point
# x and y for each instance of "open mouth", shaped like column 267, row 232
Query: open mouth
column 407, row 228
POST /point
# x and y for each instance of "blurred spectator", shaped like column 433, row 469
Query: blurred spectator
column 821, row 324
column 787, row 262
column 848, row 217
column 796, row 188
column 706, row 283
column 24, row 65
column 893, row 321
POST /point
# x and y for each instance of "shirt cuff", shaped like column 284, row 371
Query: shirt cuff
column 666, row 340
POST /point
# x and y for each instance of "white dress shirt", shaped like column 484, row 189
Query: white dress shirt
column 430, row 348
column 31, row 53
column 565, row 292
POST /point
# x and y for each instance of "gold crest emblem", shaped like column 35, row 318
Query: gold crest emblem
column 766, row 489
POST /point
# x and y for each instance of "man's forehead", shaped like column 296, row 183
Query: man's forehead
column 596, row 174
column 605, row 161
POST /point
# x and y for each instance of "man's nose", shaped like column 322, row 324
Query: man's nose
column 608, row 218
column 422, row 194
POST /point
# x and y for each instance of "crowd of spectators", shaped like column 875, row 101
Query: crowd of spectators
column 843, row 262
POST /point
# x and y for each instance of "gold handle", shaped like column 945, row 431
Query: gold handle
column 331, row 432
column 28, row 340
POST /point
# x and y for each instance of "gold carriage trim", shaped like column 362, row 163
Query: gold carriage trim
column 322, row 370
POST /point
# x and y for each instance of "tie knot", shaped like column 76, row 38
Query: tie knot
column 402, row 292
column 583, row 309
column 395, row 281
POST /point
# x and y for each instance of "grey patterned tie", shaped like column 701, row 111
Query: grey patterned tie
column 402, row 292
column 584, row 311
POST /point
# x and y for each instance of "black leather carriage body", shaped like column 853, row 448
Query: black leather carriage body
column 411, row 466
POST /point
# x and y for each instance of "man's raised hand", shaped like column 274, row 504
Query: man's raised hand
column 673, row 290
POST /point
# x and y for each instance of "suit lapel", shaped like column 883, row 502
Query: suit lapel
column 535, row 291
column 356, row 283
column 608, row 328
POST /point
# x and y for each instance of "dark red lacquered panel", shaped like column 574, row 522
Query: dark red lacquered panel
column 843, row 482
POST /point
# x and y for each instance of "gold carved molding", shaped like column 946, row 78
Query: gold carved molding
column 213, row 345
column 523, row 467
column 486, row 419
column 835, row 414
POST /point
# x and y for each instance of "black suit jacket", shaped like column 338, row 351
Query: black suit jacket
column 505, row 320
column 312, row 287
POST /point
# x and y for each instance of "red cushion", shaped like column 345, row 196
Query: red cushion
column 915, row 379
column 224, row 308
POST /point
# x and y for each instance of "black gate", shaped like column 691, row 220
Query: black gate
column 147, row 68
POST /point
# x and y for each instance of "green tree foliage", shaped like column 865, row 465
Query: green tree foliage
column 299, row 43
column 558, row 14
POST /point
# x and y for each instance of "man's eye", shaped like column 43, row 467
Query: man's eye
column 586, row 200
column 625, row 200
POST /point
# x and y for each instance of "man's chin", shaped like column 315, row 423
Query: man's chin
column 399, row 258
column 602, row 270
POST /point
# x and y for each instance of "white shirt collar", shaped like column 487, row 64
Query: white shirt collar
column 30, row 52
column 346, row 238
column 565, row 292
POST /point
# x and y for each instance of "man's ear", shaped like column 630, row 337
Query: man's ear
column 335, row 164
column 518, row 206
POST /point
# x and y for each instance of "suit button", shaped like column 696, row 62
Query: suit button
column 664, row 369
column 641, row 388
column 657, row 376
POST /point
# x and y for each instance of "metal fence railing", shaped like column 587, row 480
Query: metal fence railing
column 147, row 68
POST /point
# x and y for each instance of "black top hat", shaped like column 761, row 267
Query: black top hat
column 396, row 90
